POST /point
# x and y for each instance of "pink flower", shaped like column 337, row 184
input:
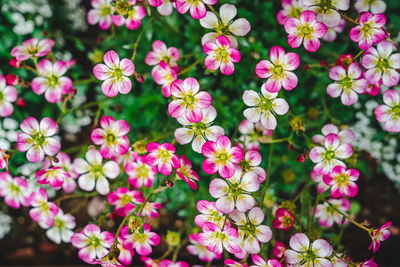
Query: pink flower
column 42, row 211
column 125, row 255
column 221, row 156
column 260, row 262
column 133, row 15
column 101, row 13
column 186, row 173
column 262, row 107
column 380, row 235
column 115, row 74
column 235, row 192
column 61, row 231
column 370, row 31
column 150, row 210
column 155, row 3
column 149, row 262
column 377, row 6
column 342, row 182
column 331, row 154
column 284, row 219
column 302, row 252
column 279, row 249
column 8, row 95
column 253, row 134
column 169, row 263
column 346, row 135
column 64, row 161
column 201, row 251
column 252, row 229
column 327, row 13
column 108, row 261
column 161, row 52
column 250, row 163
column 199, row 132
column 32, row 48
column 141, row 241
column 197, row 8
column 389, row 112
column 278, row 70
column 291, row 8
column 38, row 138
column 232, row 263
column 94, row 172
column 332, row 32
column 216, row 239
column 166, row 8
column 54, row 176
column 318, row 178
column 14, row 190
column 369, row 263
column 306, row 29
column 140, row 173
column 209, row 213
column 124, row 200
column 327, row 215
column 111, row 137
column 163, row 156
column 4, row 159
column 221, row 55
column 92, row 243
column 164, row 75
column 381, row 63
column 51, row 81
column 187, row 100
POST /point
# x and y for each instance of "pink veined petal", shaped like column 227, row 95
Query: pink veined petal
column 124, row 85
column 273, row 85
column 391, row 98
column 102, row 72
column 191, row 85
column 337, row 73
column 332, row 141
column 290, row 81
column 35, row 154
column 127, row 66
column 292, row 61
column 223, row 41
column 344, row 151
column 176, row 108
column 280, row 106
column 381, row 113
column 263, row 233
column 30, row 125
column 45, row 68
column 351, row 190
column 268, row 120
column 299, row 242
column 209, row 166
column 111, row 59
column 354, row 71
column 227, row 170
column 212, row 63
column 349, row 97
column 234, row 55
column 321, row 248
column 225, row 204
column 6, row 109
column 109, row 88
column 263, row 69
column 51, row 146
column 240, row 27
column 182, row 6
column 291, row 25
column 39, row 85
column 48, row 127
column 244, row 202
column 194, row 115
column 276, row 53
column 198, row 11
column 311, row 45
column 316, row 154
column 390, row 78
column 307, row 16
column 227, row 68
column 294, row 41
column 369, row 61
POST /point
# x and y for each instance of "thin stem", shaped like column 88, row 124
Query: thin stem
column 349, row 218
column 136, row 44
column 349, row 19
column 190, row 67
column 265, row 186
column 311, row 221
column 325, row 107
column 223, row 226
column 273, row 141
column 359, row 54
column 85, row 81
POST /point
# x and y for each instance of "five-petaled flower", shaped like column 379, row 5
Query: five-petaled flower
column 216, row 239
column 14, row 190
column 161, row 52
column 8, row 94
column 54, row 176
column 186, row 173
column 342, row 182
column 327, row 213
column 163, row 156
column 380, row 235
column 101, row 13
column 42, row 211
column 124, row 200
column 141, row 241
column 389, row 112
column 197, row 8
column 327, row 12
column 32, row 48
column 61, row 231
column 140, row 173
column 370, row 31
column 284, row 219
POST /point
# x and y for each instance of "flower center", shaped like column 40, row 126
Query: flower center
column 342, row 178
column 347, row 83
column 278, row 70
column 295, row 12
column 309, row 256
column 39, row 138
column 326, row 4
column 105, row 11
column 52, row 81
column 122, row 7
column 118, row 73
column 32, row 50
column 15, row 189
column 396, row 111
column 143, row 171
column 189, row 99
column 199, row 128
column 97, row 170
column 265, row 104
column 94, row 241
column 307, row 31
column 126, row 199
column 329, row 154
column 222, row 54
column 110, row 138
column 223, row 157
column 383, row 63
column 59, row 223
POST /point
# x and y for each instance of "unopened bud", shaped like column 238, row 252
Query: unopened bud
column 173, row 238
column 12, row 79
column 21, row 102
column 15, row 63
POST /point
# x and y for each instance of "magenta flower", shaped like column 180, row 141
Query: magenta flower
column 216, row 239
column 164, row 75
column 278, row 70
column 221, row 156
column 64, row 161
column 155, row 3
column 186, row 173
column 342, row 182
column 14, row 190
column 169, row 263
column 115, row 74
column 163, row 156
column 370, row 31
column 187, row 100
column 140, row 173
column 209, row 213
column 197, row 8
column 221, row 55
column 331, row 154
column 380, row 235
column 232, row 263
column 327, row 215
column 32, row 48
column 279, row 249
column 161, row 52
column 250, row 163
column 369, row 263
column 101, row 13
column 111, row 137
column 42, row 211
column 346, row 135
column 201, row 251
column 347, row 83
column 327, row 13
column 141, row 241
column 381, row 63
column 38, row 138
column 124, row 200
column 125, row 255
column 92, row 243
column 305, row 30
column 260, row 262
column 51, row 81
column 61, row 231
column 389, row 112
column 8, row 94
column 284, row 219
column 54, row 176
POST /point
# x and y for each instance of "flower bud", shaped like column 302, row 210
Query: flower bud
column 139, row 147
column 298, row 124
column 21, row 102
column 12, row 79
column 173, row 238
column 345, row 60
column 15, row 63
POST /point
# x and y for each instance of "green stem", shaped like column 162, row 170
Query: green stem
column 265, row 186
column 325, row 107
column 311, row 220
column 273, row 141
column 190, row 67
column 349, row 19
column 359, row 54
column 349, row 218
column 84, row 81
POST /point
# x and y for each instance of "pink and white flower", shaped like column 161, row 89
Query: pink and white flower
column 61, row 231
column 161, row 52
column 253, row 134
column 260, row 262
column 310, row 254
column 64, row 161
column 327, row 215
column 186, row 173
column 101, row 13
column 115, row 74
column 331, row 155
column 252, row 229
column 381, row 63
column 327, row 12
column 163, row 156
column 291, row 8
column 133, row 16
column 235, row 192
column 375, row 6
column 284, row 219
column 155, row 3
column 150, row 210
column 216, row 239
column 111, row 137
column 201, row 251
column 380, row 235
column 8, row 94
column 14, row 190
column 187, row 100
column 389, row 112
column 124, row 200
column 32, row 48
column 94, row 173
column 140, row 173
column 221, row 55
column 166, row 8
column 209, row 213
column 221, row 157
column 369, row 263
column 346, row 135
column 332, row 32
column 318, row 178
column 342, row 182
column 53, row 176
column 42, row 211
column 305, row 30
column 169, row 263
column 197, row 8
column 233, row 263
column 51, row 81
column 164, row 75
column 279, row 249
column 199, row 132
column 38, row 139
column 125, row 255
column 92, row 243
column 225, row 25
column 250, row 163
column 263, row 107
column 370, row 31
column 278, row 70
column 141, row 241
